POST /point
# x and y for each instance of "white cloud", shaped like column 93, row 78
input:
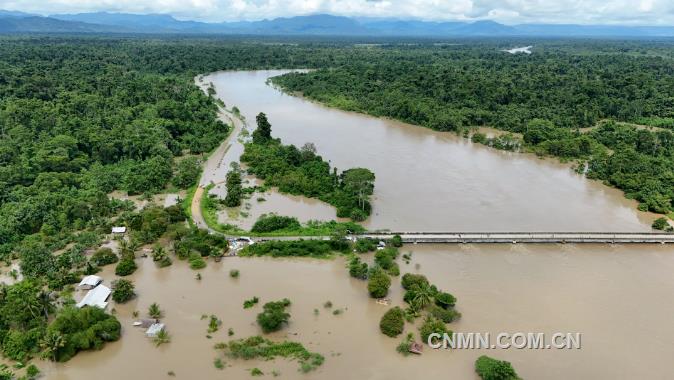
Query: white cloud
column 655, row 12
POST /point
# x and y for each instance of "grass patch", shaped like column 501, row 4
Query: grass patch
column 257, row 347
column 315, row 228
column 187, row 204
column 318, row 249
column 247, row 304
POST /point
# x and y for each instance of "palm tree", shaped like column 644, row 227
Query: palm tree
column 423, row 296
column 128, row 248
column 158, row 253
column 154, row 311
column 124, row 248
column 161, row 338
column 50, row 344
column 45, row 302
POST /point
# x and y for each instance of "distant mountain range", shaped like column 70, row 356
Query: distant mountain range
column 103, row 22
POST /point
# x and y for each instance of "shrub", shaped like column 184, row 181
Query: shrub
column 213, row 324
column 256, row 372
column 296, row 248
column 196, row 262
column 492, row 369
column 273, row 315
column 432, row 325
column 160, row 256
column 445, row 300
column 122, row 290
column 270, row 223
column 358, row 269
column 397, row 241
column 365, row 245
column 234, row 273
column 445, row 315
column 154, row 311
column 661, row 224
column 358, row 215
column 247, row 304
column 104, row 256
column 378, row 284
column 161, row 338
column 404, row 346
column 32, row 372
column 258, row 347
column 126, row 266
column 385, row 259
column 410, row 279
column 234, row 188
column 392, row 322
column 20, row 345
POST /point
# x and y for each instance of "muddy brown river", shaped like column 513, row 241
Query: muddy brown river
column 434, row 181
column 616, row 296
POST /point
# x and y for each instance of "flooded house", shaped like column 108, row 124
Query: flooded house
column 97, row 297
column 90, row 282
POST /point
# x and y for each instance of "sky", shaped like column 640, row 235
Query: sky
column 624, row 12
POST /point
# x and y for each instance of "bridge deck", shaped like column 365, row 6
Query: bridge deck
column 527, row 237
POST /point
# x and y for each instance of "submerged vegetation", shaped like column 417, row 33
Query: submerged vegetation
column 273, row 315
column 257, row 347
column 493, row 369
column 378, row 283
column 123, row 290
column 234, row 187
column 303, row 172
column 392, row 322
column 319, row 249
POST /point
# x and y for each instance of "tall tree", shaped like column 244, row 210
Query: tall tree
column 263, row 132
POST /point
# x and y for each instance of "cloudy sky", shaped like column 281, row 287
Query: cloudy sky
column 639, row 12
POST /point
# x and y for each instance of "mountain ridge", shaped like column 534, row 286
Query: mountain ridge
column 317, row 24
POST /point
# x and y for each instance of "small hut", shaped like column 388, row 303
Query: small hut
column 145, row 323
column 154, row 330
column 416, row 348
column 120, row 230
column 89, row 282
column 97, row 296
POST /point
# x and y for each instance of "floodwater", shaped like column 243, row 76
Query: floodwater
column 273, row 202
column 435, row 181
column 613, row 295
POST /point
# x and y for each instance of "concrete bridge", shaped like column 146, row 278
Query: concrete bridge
column 527, row 237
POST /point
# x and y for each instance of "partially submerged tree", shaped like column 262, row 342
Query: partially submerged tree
column 122, row 290
column 263, row 132
column 154, row 311
column 378, row 283
column 493, row 369
column 273, row 316
column 392, row 322
column 234, row 186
